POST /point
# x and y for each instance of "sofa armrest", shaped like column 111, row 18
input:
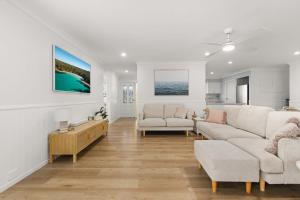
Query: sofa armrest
column 190, row 114
column 289, row 153
column 141, row 116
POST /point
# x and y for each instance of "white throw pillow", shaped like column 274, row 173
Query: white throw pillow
column 180, row 113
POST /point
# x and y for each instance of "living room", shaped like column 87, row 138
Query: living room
column 150, row 99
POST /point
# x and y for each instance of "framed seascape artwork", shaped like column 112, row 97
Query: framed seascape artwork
column 70, row 73
column 171, row 82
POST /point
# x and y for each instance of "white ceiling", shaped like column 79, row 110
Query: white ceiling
column 172, row 30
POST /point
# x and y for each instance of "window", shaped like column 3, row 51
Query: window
column 128, row 94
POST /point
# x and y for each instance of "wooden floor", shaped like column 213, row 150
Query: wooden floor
column 125, row 165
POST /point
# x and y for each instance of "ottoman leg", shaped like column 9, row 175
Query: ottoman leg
column 214, row 185
column 262, row 185
column 248, row 187
column 187, row 133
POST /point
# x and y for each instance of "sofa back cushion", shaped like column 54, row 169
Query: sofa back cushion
column 253, row 119
column 181, row 113
column 170, row 110
column 232, row 114
column 155, row 110
column 277, row 119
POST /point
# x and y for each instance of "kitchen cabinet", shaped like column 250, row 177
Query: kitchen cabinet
column 213, row 87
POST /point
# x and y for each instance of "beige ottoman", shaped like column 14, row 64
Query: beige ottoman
column 224, row 162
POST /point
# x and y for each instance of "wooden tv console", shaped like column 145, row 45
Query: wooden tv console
column 74, row 141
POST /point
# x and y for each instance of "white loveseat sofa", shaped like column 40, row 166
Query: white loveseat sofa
column 250, row 128
column 161, row 117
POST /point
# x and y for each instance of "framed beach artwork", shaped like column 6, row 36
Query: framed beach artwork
column 70, row 73
column 171, row 82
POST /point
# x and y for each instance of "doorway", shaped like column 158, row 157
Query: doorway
column 128, row 99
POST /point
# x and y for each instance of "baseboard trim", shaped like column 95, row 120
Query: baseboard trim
column 22, row 176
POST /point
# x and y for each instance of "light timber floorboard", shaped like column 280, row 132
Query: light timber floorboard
column 125, row 165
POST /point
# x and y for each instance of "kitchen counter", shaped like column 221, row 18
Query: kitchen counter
column 222, row 103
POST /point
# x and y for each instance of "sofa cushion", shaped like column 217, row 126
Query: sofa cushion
column 222, row 131
column 154, row 110
column 181, row 113
column 277, row 119
column 232, row 114
column 177, row 122
column 190, row 114
column 170, row 109
column 152, row 122
column 268, row 162
column 253, row 119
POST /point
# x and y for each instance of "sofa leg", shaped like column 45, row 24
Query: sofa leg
column 187, row 133
column 144, row 133
column 200, row 166
column 262, row 185
column 214, row 185
column 248, row 187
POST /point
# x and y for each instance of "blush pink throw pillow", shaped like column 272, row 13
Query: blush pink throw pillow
column 216, row 116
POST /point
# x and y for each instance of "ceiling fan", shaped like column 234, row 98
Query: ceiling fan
column 229, row 44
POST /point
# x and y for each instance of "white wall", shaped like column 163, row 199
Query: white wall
column 294, row 85
column 269, row 86
column 27, row 102
column 145, row 85
column 112, row 99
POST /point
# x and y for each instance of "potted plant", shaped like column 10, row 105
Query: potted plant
column 101, row 114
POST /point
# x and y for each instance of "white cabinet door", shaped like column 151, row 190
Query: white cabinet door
column 230, row 91
column 213, row 87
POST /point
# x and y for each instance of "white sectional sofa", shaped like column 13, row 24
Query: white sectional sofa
column 161, row 117
column 250, row 128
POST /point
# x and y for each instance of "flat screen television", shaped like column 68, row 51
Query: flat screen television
column 70, row 73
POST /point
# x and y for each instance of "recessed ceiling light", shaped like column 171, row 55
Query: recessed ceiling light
column 207, row 53
column 296, row 53
column 230, row 62
column 211, row 73
column 126, row 71
column 123, row 54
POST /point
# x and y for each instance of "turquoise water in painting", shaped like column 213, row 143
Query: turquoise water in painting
column 171, row 88
column 70, row 82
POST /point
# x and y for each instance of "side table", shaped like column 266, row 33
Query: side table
column 196, row 120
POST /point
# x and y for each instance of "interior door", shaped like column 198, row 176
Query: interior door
column 128, row 99
column 231, row 91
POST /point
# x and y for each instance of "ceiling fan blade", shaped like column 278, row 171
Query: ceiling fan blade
column 212, row 54
column 211, row 43
column 252, row 35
